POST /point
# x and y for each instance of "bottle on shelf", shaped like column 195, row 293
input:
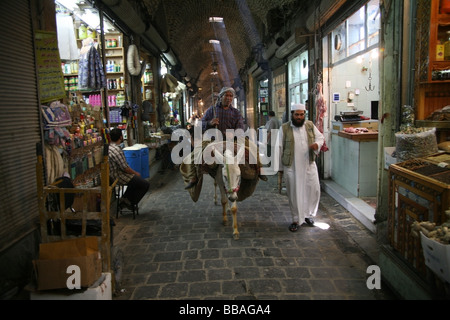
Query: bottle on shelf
column 148, row 76
column 447, row 47
column 120, row 99
column 82, row 32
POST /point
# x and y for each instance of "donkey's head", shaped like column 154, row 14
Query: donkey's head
column 231, row 175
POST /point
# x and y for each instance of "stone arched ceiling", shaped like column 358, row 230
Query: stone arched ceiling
column 185, row 26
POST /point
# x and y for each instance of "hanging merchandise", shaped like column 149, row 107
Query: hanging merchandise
column 90, row 70
column 67, row 43
column 133, row 63
column 168, row 83
column 147, row 107
column 321, row 111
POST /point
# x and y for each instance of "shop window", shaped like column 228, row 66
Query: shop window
column 357, row 34
column 279, row 93
column 294, row 72
column 303, row 66
column 339, row 42
column 373, row 22
column 298, row 78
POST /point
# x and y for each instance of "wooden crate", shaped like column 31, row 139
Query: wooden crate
column 86, row 211
column 418, row 191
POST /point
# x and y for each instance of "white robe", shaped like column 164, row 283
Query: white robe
column 302, row 178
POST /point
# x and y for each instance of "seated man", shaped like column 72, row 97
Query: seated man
column 137, row 187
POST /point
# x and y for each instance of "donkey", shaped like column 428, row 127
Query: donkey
column 228, row 180
column 235, row 180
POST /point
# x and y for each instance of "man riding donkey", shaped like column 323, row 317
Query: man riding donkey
column 223, row 116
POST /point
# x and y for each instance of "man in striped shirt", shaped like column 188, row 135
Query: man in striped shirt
column 223, row 115
column 137, row 187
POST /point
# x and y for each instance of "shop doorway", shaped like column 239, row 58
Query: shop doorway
column 351, row 85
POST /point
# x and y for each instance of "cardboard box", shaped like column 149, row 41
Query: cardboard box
column 56, row 257
column 78, row 204
column 100, row 290
column 437, row 257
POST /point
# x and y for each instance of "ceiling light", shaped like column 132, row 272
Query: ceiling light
column 214, row 41
column 215, row 19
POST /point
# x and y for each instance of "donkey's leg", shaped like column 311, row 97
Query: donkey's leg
column 223, row 196
column 235, row 225
column 225, row 206
column 215, row 192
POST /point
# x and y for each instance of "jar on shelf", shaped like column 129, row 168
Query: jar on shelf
column 148, row 94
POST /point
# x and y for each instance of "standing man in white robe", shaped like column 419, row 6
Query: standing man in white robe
column 298, row 144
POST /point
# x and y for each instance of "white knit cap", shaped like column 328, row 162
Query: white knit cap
column 298, row 106
column 226, row 89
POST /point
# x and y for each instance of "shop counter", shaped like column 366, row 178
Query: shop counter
column 354, row 162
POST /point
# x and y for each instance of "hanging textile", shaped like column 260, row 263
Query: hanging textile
column 67, row 43
column 168, row 83
column 90, row 70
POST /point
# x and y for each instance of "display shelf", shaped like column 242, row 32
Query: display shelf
column 439, row 26
column 148, row 85
column 433, row 94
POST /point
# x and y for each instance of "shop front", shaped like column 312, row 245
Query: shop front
column 350, row 123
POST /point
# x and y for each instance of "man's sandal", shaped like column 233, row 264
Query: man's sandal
column 293, row 227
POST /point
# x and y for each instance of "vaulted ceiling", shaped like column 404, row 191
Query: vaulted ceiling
column 246, row 29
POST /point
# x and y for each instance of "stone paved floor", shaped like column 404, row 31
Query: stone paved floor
column 176, row 249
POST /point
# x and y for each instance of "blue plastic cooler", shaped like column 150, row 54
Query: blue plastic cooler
column 133, row 156
column 145, row 166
